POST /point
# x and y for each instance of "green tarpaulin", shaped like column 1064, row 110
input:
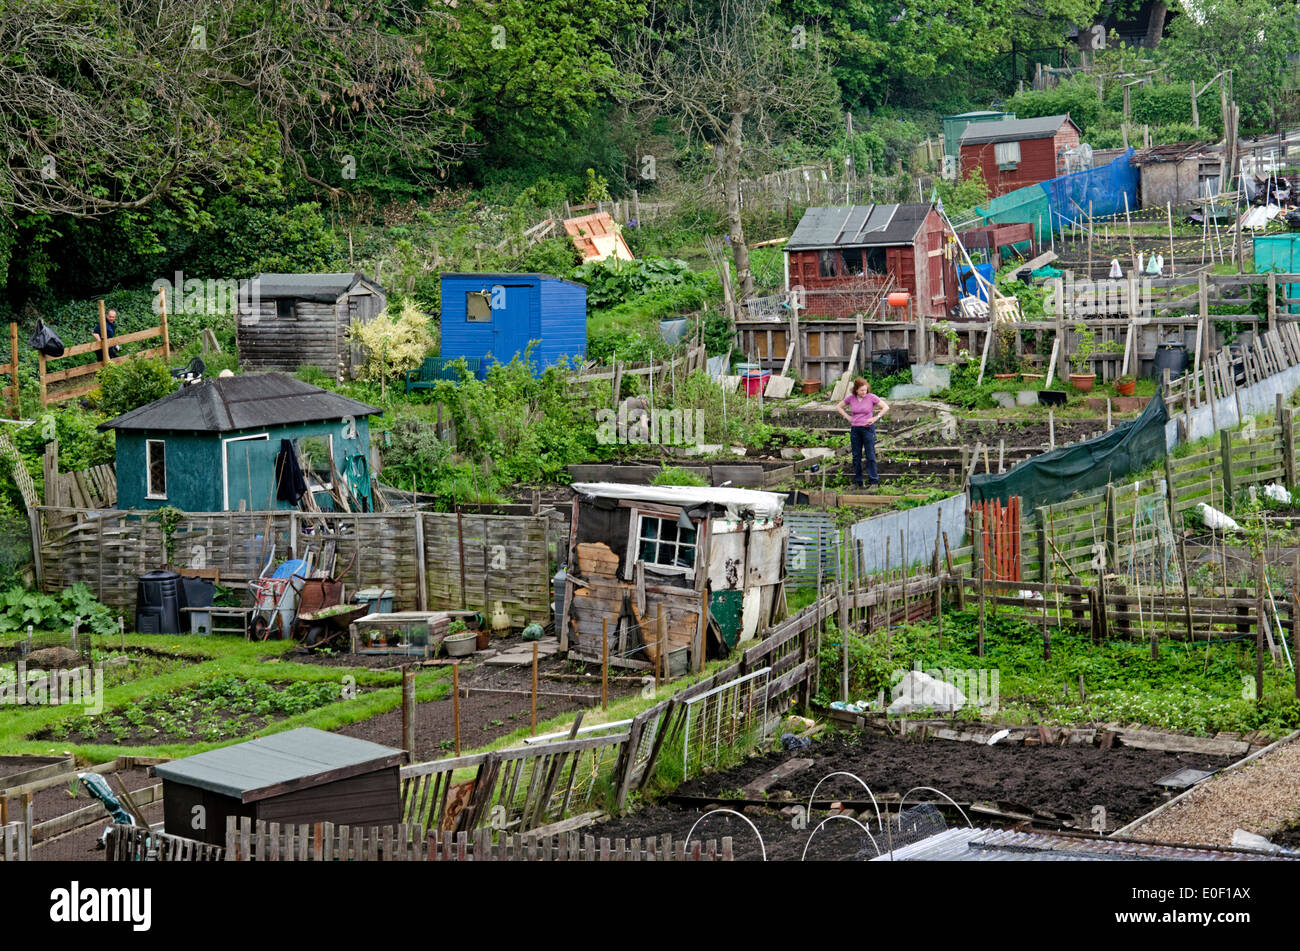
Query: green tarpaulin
column 1280, row 253
column 1059, row 474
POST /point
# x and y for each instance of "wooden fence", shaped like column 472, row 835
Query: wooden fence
column 468, row 561
column 101, row 348
column 134, row 844
column 15, row 842
column 248, row 841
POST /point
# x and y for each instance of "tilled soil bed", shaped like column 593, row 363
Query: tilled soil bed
column 1068, row 780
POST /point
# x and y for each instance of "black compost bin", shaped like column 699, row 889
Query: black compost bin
column 158, row 602
column 1171, row 357
column 888, row 362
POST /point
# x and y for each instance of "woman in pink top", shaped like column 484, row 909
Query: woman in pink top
column 862, row 408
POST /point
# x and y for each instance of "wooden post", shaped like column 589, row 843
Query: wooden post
column 162, row 323
column 663, row 642
column 1112, row 530
column 460, row 548
column 1187, row 596
column 604, row 663
column 103, row 332
column 408, row 712
column 455, row 704
column 979, row 551
column 13, row 367
column 1225, row 454
column 1261, row 618
column 534, row 697
column 844, row 622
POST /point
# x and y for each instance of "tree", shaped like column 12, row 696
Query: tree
column 393, row 345
column 1250, row 37
column 881, row 47
column 733, row 75
column 111, row 106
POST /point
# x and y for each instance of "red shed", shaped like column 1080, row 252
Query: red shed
column 845, row 257
column 1017, row 152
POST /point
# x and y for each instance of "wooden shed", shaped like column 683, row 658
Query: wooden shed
column 288, row 320
column 1177, row 175
column 1014, row 153
column 299, row 776
column 710, row 561
column 847, row 257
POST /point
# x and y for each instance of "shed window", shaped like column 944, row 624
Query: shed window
column 1007, row 154
column 826, row 263
column 662, row 542
column 853, row 261
column 155, row 453
column 478, row 307
column 875, row 260
column 284, row 309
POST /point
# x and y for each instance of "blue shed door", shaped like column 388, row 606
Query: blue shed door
column 511, row 321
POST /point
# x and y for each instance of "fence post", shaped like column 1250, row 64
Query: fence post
column 1225, row 452
column 1287, row 421
column 979, row 553
column 1112, row 530
column 1261, row 618
column 1169, row 489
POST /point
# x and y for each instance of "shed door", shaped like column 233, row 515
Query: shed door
column 248, row 470
column 510, row 320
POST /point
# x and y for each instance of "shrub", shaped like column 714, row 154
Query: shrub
column 393, row 344
column 130, row 384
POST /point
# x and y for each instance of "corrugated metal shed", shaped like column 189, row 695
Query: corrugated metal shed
column 250, row 401
column 1005, row 845
column 1014, row 130
column 861, row 226
column 272, row 765
column 314, row 287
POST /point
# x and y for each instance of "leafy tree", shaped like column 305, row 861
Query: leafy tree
column 734, row 76
column 393, row 344
column 1250, row 37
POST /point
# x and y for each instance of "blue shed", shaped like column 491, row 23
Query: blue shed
column 498, row 315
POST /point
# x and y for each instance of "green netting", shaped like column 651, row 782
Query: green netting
column 1280, row 253
column 1028, row 205
column 1059, row 474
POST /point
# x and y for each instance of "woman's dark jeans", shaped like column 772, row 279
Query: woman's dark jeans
column 863, row 440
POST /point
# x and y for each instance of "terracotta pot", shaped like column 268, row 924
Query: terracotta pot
column 810, row 386
column 483, row 638
column 1126, row 389
column 1082, row 381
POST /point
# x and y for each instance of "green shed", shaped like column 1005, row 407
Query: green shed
column 212, row 446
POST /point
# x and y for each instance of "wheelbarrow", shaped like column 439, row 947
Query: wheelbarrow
column 320, row 628
column 275, row 599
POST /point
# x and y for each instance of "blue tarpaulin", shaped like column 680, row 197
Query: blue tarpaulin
column 1065, row 200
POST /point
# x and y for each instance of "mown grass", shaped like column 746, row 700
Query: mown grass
column 212, row 658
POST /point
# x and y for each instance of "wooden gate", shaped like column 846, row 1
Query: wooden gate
column 999, row 537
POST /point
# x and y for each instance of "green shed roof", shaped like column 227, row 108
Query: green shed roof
column 280, row 763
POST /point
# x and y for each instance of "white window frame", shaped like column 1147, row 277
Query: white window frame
column 639, row 536
column 149, row 492
column 1006, row 154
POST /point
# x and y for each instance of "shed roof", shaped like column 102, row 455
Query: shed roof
column 502, row 277
column 280, row 763
column 736, row 501
column 249, row 401
column 1014, row 130
column 314, row 287
column 863, row 226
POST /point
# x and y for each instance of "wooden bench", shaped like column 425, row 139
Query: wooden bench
column 435, row 369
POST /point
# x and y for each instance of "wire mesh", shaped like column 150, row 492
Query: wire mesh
column 722, row 719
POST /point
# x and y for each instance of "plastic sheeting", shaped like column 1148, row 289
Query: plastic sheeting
column 1280, row 253
column 1059, row 474
column 1064, row 201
